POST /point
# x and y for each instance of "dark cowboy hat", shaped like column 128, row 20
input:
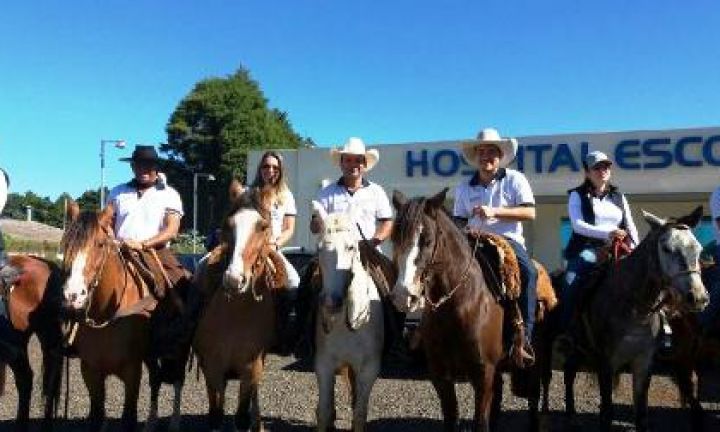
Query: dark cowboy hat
column 143, row 153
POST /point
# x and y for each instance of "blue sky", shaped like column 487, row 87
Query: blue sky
column 74, row 72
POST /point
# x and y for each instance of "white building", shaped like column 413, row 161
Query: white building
column 667, row 172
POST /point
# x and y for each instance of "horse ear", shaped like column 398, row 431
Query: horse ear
column 72, row 211
column 437, row 200
column 235, row 190
column 106, row 216
column 319, row 211
column 398, row 199
column 652, row 220
column 693, row 218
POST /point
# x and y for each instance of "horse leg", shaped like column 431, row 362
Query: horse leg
column 445, row 389
column 496, row 408
column 570, row 372
column 362, row 387
column 216, row 401
column 52, row 377
column 687, row 381
column 131, row 378
column 605, row 379
column 155, row 383
column 95, row 383
column 482, row 383
column 175, row 420
column 326, row 392
column 23, row 382
column 247, row 415
column 641, row 384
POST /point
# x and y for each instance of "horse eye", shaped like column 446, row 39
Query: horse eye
column 350, row 248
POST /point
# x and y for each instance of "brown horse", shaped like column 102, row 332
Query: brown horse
column 33, row 307
column 462, row 323
column 112, row 304
column 237, row 325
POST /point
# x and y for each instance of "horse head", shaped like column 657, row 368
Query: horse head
column 678, row 256
column 415, row 240
column 85, row 246
column 344, row 280
column 246, row 232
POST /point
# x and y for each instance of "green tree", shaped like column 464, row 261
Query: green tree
column 211, row 131
column 90, row 199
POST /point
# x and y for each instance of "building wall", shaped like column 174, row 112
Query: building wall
column 667, row 172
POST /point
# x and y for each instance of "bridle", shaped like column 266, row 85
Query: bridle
column 428, row 272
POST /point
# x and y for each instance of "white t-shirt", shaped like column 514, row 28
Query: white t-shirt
column 279, row 211
column 140, row 218
column 366, row 206
column 715, row 212
column 608, row 217
column 510, row 188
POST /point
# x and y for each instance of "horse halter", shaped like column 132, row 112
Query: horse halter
column 426, row 274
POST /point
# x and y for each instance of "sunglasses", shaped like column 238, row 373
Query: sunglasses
column 601, row 167
column 270, row 167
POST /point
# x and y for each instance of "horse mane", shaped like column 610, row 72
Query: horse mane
column 408, row 218
column 78, row 233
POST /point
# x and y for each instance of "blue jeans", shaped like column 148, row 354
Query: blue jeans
column 528, row 280
column 577, row 268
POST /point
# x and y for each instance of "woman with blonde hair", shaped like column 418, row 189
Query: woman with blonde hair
column 279, row 201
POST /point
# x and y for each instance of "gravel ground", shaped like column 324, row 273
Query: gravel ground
column 289, row 395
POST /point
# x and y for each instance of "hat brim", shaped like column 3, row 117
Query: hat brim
column 372, row 157
column 153, row 160
column 508, row 147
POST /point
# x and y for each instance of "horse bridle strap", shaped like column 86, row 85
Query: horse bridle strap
column 426, row 276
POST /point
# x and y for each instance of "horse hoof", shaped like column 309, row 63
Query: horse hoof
column 174, row 425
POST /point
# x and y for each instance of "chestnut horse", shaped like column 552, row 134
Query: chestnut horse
column 33, row 307
column 112, row 304
column 462, row 323
column 237, row 324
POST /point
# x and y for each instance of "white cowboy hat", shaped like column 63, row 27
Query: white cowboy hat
column 356, row 146
column 508, row 147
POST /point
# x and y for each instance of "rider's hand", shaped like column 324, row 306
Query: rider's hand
column 134, row 245
column 617, row 234
column 484, row 212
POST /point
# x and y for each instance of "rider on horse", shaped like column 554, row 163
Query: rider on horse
column 497, row 200
column 146, row 213
column 8, row 273
column 280, row 203
column 369, row 208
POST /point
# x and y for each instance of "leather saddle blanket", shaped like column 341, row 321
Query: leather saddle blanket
column 499, row 264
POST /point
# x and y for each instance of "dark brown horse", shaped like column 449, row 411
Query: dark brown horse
column 112, row 303
column 462, row 323
column 620, row 320
column 237, row 325
column 33, row 307
column 696, row 349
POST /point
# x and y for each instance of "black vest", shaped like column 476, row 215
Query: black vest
column 578, row 242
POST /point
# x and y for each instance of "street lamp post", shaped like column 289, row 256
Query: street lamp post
column 210, row 177
column 118, row 144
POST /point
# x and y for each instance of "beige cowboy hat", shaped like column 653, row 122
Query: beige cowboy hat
column 508, row 147
column 356, row 146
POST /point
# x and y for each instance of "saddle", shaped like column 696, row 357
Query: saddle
column 159, row 270
column 499, row 264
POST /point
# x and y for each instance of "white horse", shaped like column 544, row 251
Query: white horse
column 349, row 331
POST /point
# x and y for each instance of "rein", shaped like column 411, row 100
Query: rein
column 427, row 275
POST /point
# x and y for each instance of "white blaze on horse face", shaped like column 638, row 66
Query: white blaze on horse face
column 680, row 261
column 336, row 252
column 75, row 290
column 408, row 289
column 238, row 273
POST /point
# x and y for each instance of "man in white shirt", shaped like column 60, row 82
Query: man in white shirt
column 147, row 211
column 497, row 200
column 8, row 273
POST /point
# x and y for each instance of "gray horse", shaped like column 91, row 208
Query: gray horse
column 620, row 318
